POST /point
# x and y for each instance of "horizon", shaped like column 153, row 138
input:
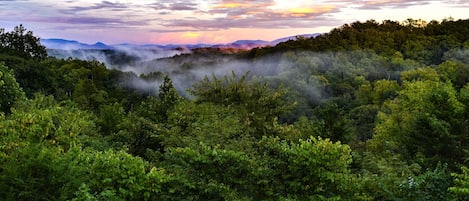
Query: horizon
column 125, row 43
column 208, row 22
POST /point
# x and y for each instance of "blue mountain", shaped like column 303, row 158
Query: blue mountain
column 56, row 43
column 63, row 44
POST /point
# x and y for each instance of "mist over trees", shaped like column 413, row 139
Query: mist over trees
column 369, row 111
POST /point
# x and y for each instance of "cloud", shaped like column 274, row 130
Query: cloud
column 74, row 15
column 171, row 30
column 267, row 21
column 183, row 6
column 228, row 14
column 458, row 3
column 381, row 4
column 92, row 22
column 174, row 6
column 102, row 5
column 153, row 19
column 82, row 20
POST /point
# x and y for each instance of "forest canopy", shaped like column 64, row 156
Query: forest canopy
column 369, row 111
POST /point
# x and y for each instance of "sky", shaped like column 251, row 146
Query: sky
column 208, row 21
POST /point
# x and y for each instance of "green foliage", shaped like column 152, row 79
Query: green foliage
column 461, row 184
column 32, row 172
column 420, row 74
column 87, row 95
column 215, row 125
column 260, row 105
column 384, row 90
column 34, row 137
column 425, row 119
column 43, row 121
column 454, row 71
column 395, row 93
column 33, row 76
column 414, row 40
column 112, row 175
column 157, row 109
column 10, row 91
column 363, row 118
column 167, row 94
column 405, row 183
column 48, row 173
column 308, row 127
column 312, row 169
column 137, row 133
column 109, row 118
column 212, row 173
column 21, row 43
column 335, row 124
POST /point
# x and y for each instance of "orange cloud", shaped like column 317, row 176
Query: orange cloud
column 320, row 9
column 238, row 4
column 308, row 11
column 229, row 5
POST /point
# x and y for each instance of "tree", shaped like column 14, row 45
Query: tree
column 260, row 105
column 34, row 137
column 116, row 175
column 384, row 90
column 212, row 173
column 311, row 169
column 424, row 124
column 455, row 71
column 460, row 187
column 335, row 124
column 168, row 97
column 22, row 43
column 420, row 74
column 42, row 120
column 10, row 90
column 190, row 123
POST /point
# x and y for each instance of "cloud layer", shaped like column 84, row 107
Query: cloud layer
column 201, row 20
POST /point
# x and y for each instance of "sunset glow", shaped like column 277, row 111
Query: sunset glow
column 214, row 21
column 191, row 35
column 229, row 5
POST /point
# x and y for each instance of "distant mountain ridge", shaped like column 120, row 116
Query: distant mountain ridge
column 57, row 43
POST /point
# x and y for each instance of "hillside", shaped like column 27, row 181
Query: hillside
column 369, row 111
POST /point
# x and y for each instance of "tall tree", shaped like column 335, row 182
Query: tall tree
column 22, row 43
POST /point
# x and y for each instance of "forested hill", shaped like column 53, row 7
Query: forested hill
column 414, row 39
column 369, row 111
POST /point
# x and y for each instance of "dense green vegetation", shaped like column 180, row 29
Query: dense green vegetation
column 368, row 111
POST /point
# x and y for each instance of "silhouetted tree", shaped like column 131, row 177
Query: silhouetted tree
column 22, row 43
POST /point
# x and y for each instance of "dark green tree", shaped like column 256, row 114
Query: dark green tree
column 22, row 43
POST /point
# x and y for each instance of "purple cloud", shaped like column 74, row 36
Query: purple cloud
column 265, row 22
column 97, row 21
column 376, row 5
column 174, row 6
column 183, row 6
column 458, row 3
column 102, row 5
column 255, row 14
